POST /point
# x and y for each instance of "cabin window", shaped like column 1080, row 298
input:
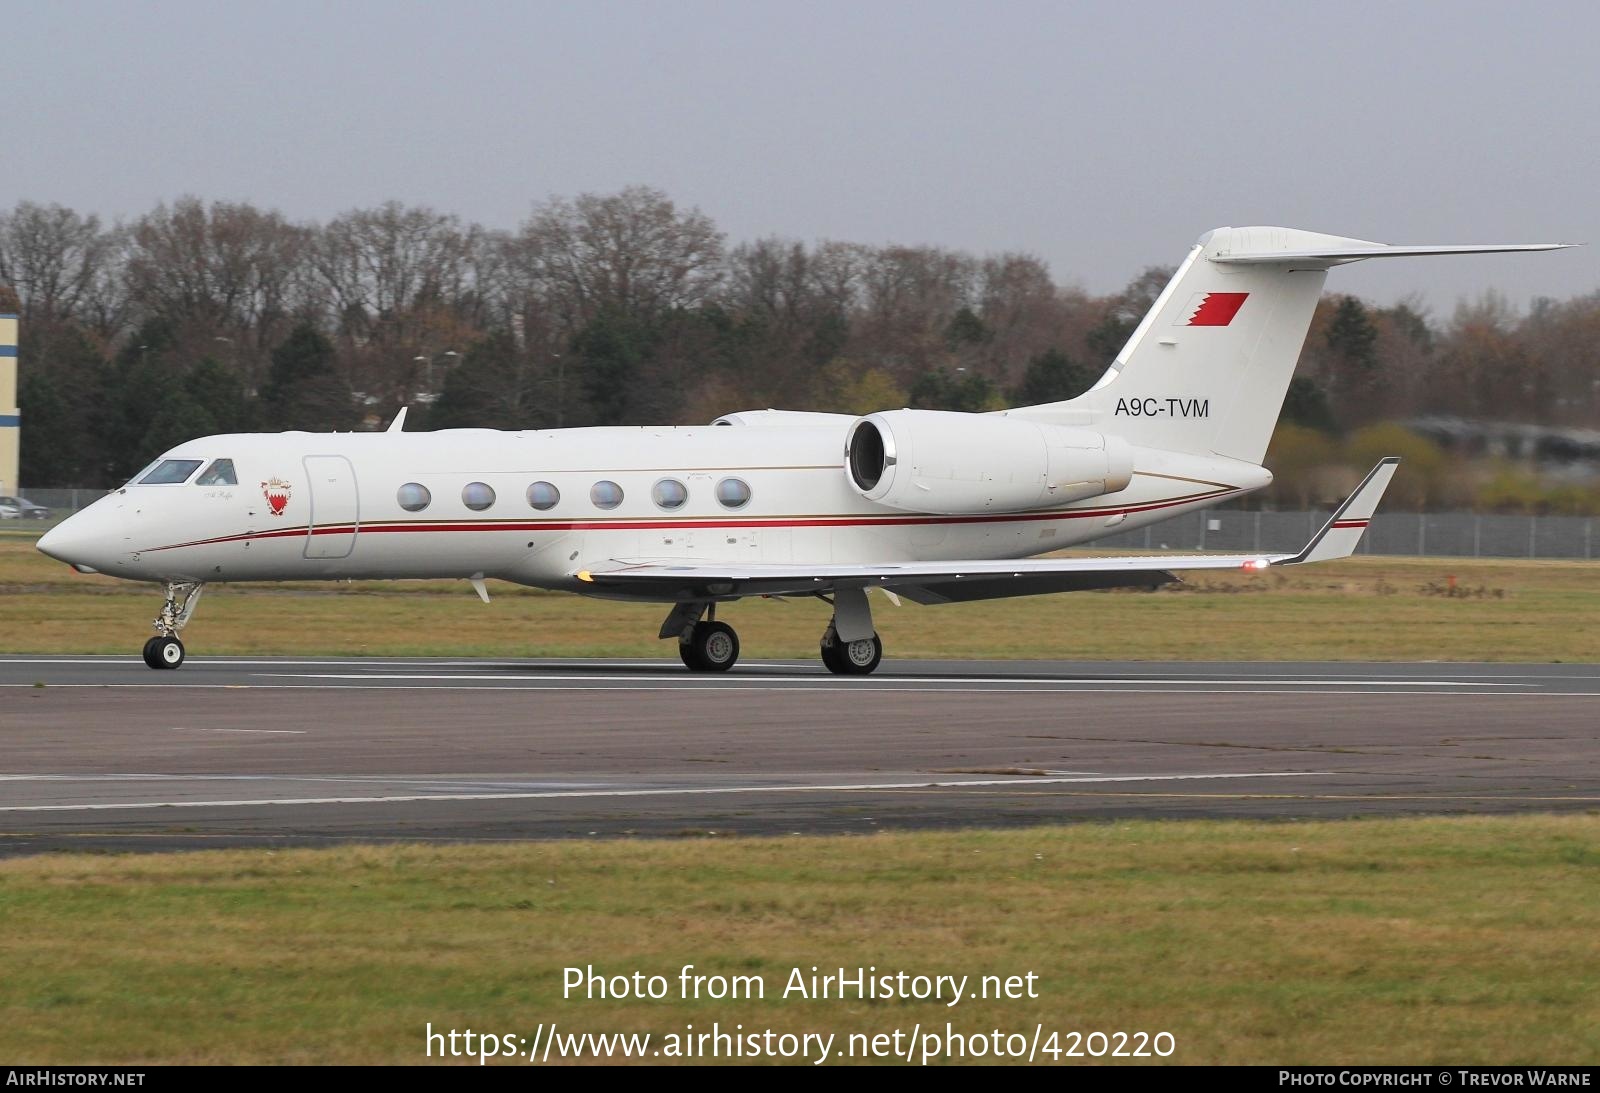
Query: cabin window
column 669, row 493
column 414, row 497
column 477, row 496
column 605, row 495
column 733, row 493
column 170, row 472
column 543, row 496
column 220, row 473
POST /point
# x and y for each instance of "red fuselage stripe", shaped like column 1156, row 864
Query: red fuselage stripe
column 687, row 523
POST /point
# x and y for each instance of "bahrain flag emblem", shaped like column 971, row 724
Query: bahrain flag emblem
column 1211, row 308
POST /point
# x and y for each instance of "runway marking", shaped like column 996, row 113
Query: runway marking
column 735, row 681
column 854, row 687
column 441, row 780
column 1360, row 670
column 1512, row 798
column 268, row 732
column 682, row 791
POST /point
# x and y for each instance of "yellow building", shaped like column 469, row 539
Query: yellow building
column 10, row 416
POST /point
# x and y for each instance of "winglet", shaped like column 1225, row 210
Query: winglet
column 399, row 422
column 1342, row 533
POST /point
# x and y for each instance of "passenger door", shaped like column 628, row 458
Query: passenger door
column 335, row 507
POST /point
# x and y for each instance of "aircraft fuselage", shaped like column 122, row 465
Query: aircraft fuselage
column 309, row 506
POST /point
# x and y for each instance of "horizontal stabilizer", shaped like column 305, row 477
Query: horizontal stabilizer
column 1334, row 256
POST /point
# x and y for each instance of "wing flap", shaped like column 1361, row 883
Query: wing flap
column 923, row 582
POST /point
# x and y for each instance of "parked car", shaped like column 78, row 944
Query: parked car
column 19, row 507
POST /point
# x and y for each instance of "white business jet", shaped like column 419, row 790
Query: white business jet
column 934, row 506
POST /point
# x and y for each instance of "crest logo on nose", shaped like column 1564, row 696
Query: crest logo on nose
column 277, row 492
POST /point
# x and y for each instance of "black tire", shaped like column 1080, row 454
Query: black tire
column 712, row 647
column 853, row 658
column 163, row 653
column 830, row 657
column 687, row 655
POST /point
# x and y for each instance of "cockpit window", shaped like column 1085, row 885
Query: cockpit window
column 169, row 472
column 220, row 473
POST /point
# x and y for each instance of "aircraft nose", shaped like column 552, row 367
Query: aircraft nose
column 69, row 541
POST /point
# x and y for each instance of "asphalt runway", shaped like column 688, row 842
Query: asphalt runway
column 103, row 753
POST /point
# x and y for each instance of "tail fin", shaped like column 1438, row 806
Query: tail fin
column 1207, row 369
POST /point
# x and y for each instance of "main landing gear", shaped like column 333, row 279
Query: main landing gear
column 850, row 658
column 165, row 650
column 705, row 644
column 850, row 646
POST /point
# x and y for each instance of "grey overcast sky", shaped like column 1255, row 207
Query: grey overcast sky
column 1103, row 137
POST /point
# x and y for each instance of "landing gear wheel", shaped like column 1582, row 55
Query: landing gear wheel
column 852, row 658
column 686, row 654
column 163, row 652
column 712, row 647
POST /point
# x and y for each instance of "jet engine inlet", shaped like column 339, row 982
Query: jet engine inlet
column 868, row 454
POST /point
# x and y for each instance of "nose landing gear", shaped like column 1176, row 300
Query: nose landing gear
column 165, row 650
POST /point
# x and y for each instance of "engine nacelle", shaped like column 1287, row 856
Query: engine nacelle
column 954, row 464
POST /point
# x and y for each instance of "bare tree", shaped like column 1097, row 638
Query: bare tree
column 401, row 283
column 1020, row 306
column 634, row 251
column 227, row 277
column 61, row 264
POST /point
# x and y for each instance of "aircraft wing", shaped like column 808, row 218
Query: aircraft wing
column 948, row 582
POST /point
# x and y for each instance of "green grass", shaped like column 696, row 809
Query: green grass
column 1411, row 940
column 1358, row 609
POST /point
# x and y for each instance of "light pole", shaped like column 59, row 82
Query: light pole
column 561, row 390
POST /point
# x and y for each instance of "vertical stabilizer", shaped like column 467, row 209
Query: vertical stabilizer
column 1207, row 369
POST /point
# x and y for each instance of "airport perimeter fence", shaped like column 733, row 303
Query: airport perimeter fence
column 1437, row 534
column 1445, row 534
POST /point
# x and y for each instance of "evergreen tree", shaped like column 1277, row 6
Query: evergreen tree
column 1052, row 376
column 303, row 389
column 59, row 387
column 490, row 389
column 1306, row 404
column 1109, row 336
column 939, row 389
column 216, row 390
column 140, row 384
column 965, row 328
column 611, row 353
column 1353, row 340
